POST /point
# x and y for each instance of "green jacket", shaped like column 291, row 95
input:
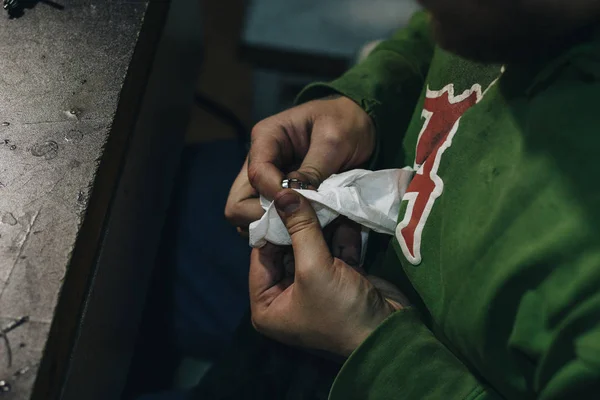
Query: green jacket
column 498, row 242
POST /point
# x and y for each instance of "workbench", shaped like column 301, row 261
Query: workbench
column 94, row 98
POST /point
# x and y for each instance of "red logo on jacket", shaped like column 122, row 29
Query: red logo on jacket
column 442, row 111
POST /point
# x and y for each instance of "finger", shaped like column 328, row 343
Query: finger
column 245, row 212
column 346, row 243
column 265, row 178
column 265, row 274
column 308, row 243
column 391, row 293
column 326, row 155
column 271, row 149
column 243, row 206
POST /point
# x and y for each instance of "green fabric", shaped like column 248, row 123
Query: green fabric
column 386, row 84
column 417, row 367
column 506, row 293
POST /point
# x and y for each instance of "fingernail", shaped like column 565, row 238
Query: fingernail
column 288, row 203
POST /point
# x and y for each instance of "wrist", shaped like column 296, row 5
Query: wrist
column 354, row 342
column 360, row 334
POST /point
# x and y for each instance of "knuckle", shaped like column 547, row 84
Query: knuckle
column 335, row 138
column 303, row 275
column 257, row 129
column 301, row 223
column 234, row 213
column 332, row 136
column 331, row 128
column 264, row 127
column 257, row 323
column 338, row 263
column 314, row 176
column 230, row 213
column 253, row 174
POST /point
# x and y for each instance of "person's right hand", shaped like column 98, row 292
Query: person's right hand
column 309, row 142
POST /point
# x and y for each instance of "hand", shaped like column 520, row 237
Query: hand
column 326, row 304
column 344, row 240
column 318, row 139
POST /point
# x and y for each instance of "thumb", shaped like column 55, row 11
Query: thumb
column 300, row 219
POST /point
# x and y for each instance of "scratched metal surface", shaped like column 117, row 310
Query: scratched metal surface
column 61, row 73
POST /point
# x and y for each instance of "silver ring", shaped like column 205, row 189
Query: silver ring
column 287, row 184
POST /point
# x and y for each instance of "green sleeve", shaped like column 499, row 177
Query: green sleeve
column 402, row 359
column 388, row 83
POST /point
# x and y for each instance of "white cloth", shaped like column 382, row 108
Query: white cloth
column 372, row 199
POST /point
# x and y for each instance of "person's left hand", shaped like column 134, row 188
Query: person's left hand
column 326, row 304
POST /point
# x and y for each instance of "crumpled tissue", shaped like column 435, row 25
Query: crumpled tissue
column 370, row 198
